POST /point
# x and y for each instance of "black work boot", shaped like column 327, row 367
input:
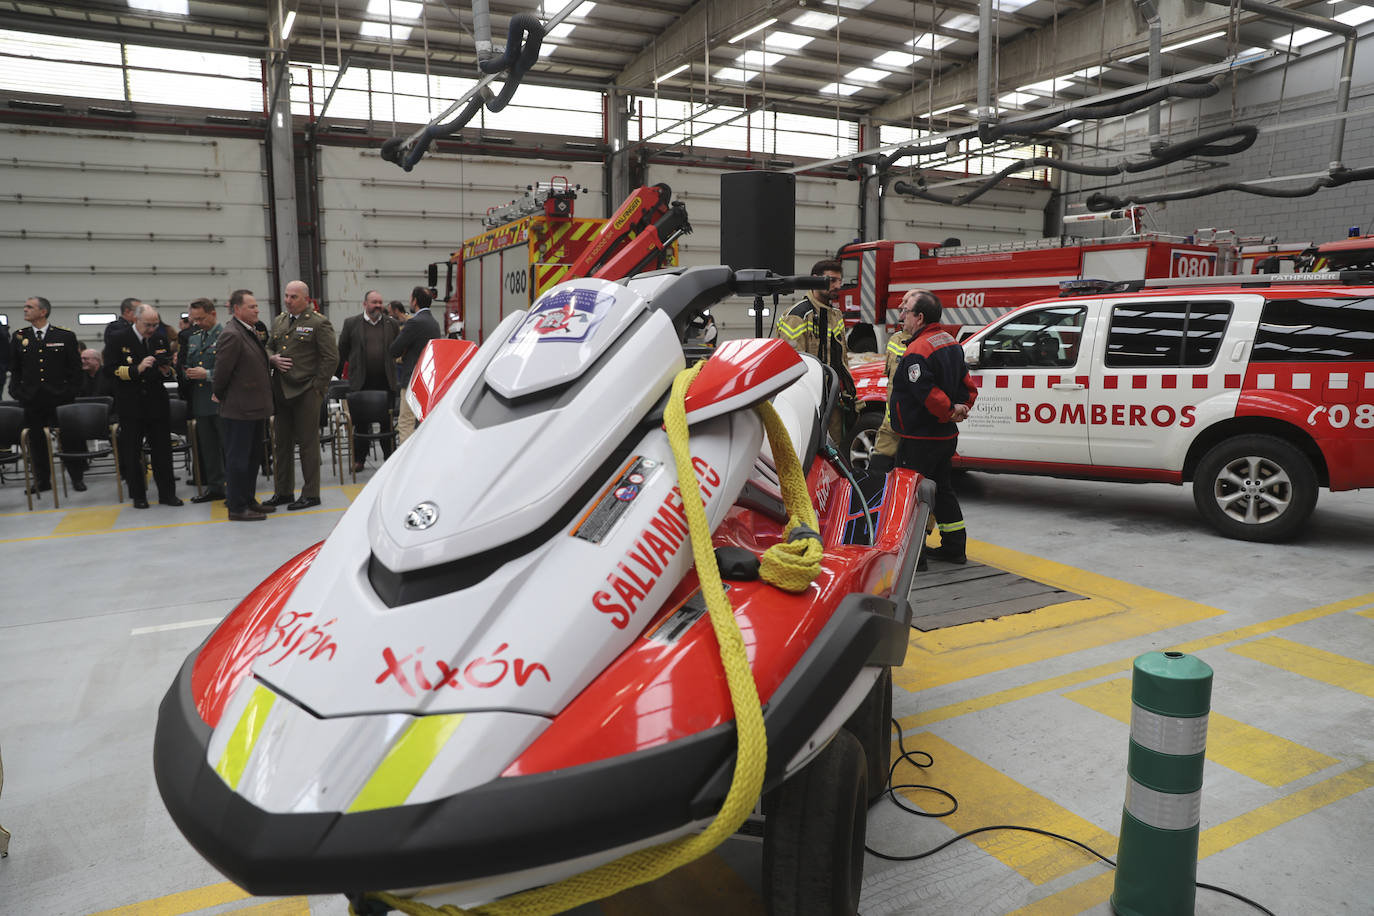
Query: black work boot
column 951, row 549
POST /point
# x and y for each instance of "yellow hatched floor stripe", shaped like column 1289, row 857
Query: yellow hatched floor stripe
column 235, row 757
column 986, row 796
column 396, row 776
column 1369, row 613
column 1327, row 667
column 1249, row 751
column 1093, row 892
column 192, row 901
column 1112, row 611
column 88, row 521
column 707, row 885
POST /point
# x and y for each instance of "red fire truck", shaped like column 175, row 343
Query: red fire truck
column 978, row 283
column 535, row 242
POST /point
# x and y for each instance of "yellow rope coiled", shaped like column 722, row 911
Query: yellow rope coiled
column 789, row 565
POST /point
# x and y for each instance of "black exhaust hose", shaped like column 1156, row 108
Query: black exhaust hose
column 1208, row 144
column 1099, row 201
column 525, row 35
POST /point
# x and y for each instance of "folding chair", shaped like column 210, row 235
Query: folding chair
column 89, row 423
column 366, row 408
column 14, row 445
column 184, row 438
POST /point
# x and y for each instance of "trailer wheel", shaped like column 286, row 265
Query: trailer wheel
column 872, row 725
column 1255, row 488
column 863, row 438
column 813, row 840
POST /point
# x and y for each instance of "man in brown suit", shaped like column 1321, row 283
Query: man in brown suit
column 304, row 354
column 364, row 346
column 243, row 386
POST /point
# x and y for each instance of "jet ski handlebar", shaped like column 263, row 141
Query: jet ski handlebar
column 698, row 288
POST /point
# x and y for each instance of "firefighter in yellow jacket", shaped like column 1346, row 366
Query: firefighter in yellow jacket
column 802, row 326
column 885, row 445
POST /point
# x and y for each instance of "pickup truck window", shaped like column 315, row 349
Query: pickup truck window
column 1045, row 337
column 1316, row 330
column 1166, row 335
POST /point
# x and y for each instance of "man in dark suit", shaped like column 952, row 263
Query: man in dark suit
column 94, row 382
column 124, row 322
column 45, row 372
column 303, row 353
column 409, row 344
column 242, row 385
column 139, row 359
column 365, row 348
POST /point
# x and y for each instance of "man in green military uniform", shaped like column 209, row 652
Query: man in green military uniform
column 803, row 325
column 303, row 352
column 198, row 368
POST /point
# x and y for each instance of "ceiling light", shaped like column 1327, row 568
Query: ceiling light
column 788, row 41
column 396, row 33
column 671, row 73
column 735, row 74
column 396, row 9
column 896, row 58
column 286, row 26
column 1169, row 48
column 939, row 111
column 823, row 22
column 839, row 89
column 747, row 32
column 867, row 74
column 175, row 7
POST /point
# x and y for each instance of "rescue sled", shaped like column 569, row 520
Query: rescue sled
column 495, row 672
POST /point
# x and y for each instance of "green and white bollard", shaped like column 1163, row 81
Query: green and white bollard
column 1156, row 872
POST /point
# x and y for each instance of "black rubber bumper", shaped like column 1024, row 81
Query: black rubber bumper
column 508, row 824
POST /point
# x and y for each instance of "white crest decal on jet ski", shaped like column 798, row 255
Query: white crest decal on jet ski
column 422, row 516
column 566, row 315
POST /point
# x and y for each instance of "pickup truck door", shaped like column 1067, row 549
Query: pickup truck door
column 1032, row 375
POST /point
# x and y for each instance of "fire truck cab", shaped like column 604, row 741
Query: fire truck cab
column 1258, row 391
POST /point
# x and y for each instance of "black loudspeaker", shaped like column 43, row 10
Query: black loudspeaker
column 758, row 220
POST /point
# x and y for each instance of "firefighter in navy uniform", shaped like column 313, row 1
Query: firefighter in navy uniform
column 802, row 326
column 45, row 373
column 931, row 394
column 885, row 445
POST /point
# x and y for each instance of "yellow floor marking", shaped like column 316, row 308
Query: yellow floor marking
column 1327, row 667
column 988, row 797
column 1369, row 613
column 1249, row 751
column 1120, row 666
column 351, row 491
column 1114, row 611
column 707, row 885
column 1090, row 893
column 87, row 521
column 185, row 902
column 281, row 906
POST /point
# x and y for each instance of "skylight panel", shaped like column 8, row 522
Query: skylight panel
column 757, row 60
column 562, row 30
column 1044, row 87
column 379, row 30
column 896, row 58
column 1357, row 16
column 838, row 89
column 735, row 74
column 787, row 41
column 962, row 22
column 1011, row 6
column 1017, row 99
column 175, row 7
column 1088, row 73
column 399, row 9
column 758, row 28
column 867, row 74
column 820, row 21
column 926, row 41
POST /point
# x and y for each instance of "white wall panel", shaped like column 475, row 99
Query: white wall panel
column 1001, row 215
column 88, row 218
column 827, row 216
column 381, row 226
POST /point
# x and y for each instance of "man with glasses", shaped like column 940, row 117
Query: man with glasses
column 885, row 445
column 814, row 320
column 140, row 361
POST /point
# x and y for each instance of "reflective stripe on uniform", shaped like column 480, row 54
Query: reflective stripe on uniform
column 245, row 735
column 1163, row 810
column 790, row 331
column 1167, row 734
column 400, row 770
column 895, row 346
column 952, row 526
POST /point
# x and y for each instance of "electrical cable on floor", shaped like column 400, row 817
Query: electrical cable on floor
column 910, row 757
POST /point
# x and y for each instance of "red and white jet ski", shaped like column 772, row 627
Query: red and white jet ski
column 495, row 674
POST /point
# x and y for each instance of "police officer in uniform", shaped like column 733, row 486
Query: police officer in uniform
column 139, row 359
column 45, row 372
column 303, row 352
column 802, row 327
column 197, row 357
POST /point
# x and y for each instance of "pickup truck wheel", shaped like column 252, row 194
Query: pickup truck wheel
column 1255, row 488
column 863, row 438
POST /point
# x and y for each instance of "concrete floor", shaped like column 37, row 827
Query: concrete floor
column 1026, row 716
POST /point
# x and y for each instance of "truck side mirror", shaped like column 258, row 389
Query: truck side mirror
column 432, row 276
column 973, row 355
